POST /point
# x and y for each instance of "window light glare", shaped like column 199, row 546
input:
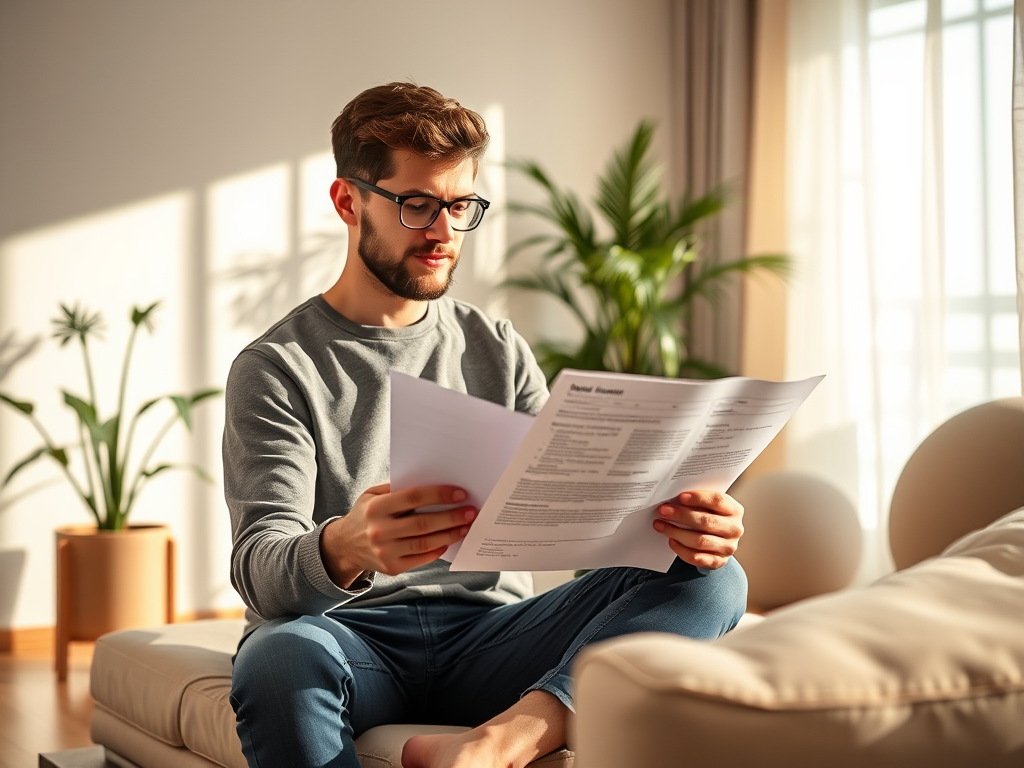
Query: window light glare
column 894, row 18
column 956, row 9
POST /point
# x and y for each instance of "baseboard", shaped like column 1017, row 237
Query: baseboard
column 29, row 639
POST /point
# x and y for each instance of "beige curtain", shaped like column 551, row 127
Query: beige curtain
column 712, row 56
column 1018, row 163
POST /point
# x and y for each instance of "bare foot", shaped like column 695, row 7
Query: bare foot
column 450, row 750
column 533, row 726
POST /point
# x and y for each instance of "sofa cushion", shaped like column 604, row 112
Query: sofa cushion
column 924, row 667
column 208, row 722
column 128, row 747
column 142, row 675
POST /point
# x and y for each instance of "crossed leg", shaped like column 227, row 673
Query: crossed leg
column 618, row 601
column 304, row 688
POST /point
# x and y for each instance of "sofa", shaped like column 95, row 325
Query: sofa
column 161, row 701
column 924, row 667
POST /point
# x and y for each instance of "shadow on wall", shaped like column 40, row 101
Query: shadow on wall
column 12, row 569
column 265, row 279
column 13, row 352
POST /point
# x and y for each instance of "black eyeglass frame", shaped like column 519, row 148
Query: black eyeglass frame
column 445, row 204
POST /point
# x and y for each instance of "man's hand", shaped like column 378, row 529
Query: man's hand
column 380, row 534
column 703, row 527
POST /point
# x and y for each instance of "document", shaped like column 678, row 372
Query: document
column 578, row 486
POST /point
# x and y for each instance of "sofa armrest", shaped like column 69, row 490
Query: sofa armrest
column 924, row 667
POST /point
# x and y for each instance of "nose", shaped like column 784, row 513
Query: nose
column 441, row 230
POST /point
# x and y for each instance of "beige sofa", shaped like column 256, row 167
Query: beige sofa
column 925, row 667
column 162, row 702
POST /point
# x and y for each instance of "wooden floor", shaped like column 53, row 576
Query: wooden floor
column 36, row 713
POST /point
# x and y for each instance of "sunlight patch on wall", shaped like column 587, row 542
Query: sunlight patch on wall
column 489, row 241
column 273, row 241
column 107, row 262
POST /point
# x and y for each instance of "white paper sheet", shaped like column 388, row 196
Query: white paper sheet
column 441, row 437
column 579, row 485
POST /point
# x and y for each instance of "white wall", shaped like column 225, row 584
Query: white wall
column 178, row 151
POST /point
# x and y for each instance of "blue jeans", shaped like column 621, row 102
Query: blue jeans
column 303, row 688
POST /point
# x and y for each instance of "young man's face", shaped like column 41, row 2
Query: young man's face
column 417, row 265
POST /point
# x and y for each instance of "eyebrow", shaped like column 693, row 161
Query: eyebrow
column 425, row 193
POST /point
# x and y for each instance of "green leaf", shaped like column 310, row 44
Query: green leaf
column 692, row 212
column 184, row 409
column 702, row 369
column 86, row 413
column 552, row 283
column 25, row 462
column 709, row 281
column 629, row 192
column 562, row 209
column 205, row 394
column 199, row 471
column 184, row 403
column 141, row 316
column 157, row 470
column 58, row 454
column 147, row 405
column 526, row 244
column 23, row 406
column 76, row 322
column 107, row 432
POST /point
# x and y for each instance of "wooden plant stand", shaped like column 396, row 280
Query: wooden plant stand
column 108, row 581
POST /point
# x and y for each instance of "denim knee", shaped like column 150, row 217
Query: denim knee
column 284, row 656
column 290, row 689
column 730, row 590
column 696, row 602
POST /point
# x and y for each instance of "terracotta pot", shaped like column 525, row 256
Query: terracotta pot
column 110, row 580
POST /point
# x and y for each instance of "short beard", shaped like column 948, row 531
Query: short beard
column 395, row 275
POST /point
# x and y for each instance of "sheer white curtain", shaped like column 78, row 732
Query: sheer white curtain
column 901, row 223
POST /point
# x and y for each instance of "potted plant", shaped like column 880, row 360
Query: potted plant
column 633, row 291
column 110, row 575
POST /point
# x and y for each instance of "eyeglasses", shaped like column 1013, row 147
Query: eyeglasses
column 420, row 211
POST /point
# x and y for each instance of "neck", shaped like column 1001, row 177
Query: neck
column 372, row 305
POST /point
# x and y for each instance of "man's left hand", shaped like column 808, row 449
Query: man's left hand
column 703, row 527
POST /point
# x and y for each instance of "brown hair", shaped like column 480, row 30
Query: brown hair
column 403, row 116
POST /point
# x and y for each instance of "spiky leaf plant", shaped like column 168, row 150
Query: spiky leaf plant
column 633, row 291
column 107, row 477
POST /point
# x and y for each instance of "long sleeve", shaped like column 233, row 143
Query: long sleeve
column 270, row 475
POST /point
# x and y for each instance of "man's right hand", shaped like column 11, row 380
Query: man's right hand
column 380, row 535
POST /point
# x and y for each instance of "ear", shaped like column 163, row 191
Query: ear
column 344, row 195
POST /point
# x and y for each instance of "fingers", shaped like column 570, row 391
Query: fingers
column 423, row 525
column 399, row 538
column 401, row 502
column 703, row 527
column 424, row 531
column 711, row 501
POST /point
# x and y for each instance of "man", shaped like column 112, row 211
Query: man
column 354, row 620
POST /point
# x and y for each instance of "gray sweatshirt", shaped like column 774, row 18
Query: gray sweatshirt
column 307, row 431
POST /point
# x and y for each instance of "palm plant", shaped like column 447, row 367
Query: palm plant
column 109, row 482
column 632, row 292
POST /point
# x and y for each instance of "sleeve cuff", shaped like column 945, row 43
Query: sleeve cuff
column 316, row 575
